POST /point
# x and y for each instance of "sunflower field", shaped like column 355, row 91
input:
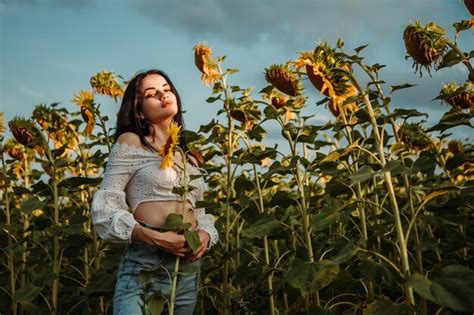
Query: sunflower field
column 368, row 213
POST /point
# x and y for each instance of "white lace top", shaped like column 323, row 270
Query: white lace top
column 133, row 175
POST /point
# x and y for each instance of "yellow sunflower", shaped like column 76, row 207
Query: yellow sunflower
column 205, row 64
column 167, row 150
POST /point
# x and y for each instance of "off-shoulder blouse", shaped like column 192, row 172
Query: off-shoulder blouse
column 133, row 175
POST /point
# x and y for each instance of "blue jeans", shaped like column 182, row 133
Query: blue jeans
column 130, row 295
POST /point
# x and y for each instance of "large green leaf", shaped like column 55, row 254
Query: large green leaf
column 156, row 303
column 453, row 288
column 31, row 204
column 310, row 277
column 383, row 306
column 365, row 173
column 265, row 226
column 26, row 293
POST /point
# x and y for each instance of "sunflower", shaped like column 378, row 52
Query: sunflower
column 414, row 136
column 426, row 45
column 281, row 77
column 328, row 74
column 85, row 100
column 106, row 83
column 458, row 96
column 205, row 64
column 26, row 133
column 167, row 150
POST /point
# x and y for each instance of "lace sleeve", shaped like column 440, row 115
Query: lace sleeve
column 110, row 215
column 205, row 222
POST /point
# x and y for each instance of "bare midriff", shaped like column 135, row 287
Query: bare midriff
column 154, row 213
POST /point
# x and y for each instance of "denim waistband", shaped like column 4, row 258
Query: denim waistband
column 151, row 227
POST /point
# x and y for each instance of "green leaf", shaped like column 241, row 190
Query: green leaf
column 175, row 222
column 31, row 204
column 394, row 88
column 462, row 26
column 77, row 181
column 147, row 274
column 453, row 288
column 406, row 113
column 396, row 168
column 156, row 303
column 321, row 221
column 365, row 173
column 383, row 306
column 265, row 226
column 26, row 293
column 449, row 59
column 310, row 277
column 360, row 48
column 452, row 119
column 192, row 239
column 346, row 253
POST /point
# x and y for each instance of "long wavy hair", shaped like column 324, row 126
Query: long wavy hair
column 127, row 117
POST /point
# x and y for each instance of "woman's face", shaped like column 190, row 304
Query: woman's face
column 158, row 102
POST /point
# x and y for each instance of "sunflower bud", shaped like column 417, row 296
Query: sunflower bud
column 205, row 64
column 414, row 135
column 26, row 133
column 458, row 96
column 469, row 5
column 426, row 45
column 105, row 83
column 281, row 77
column 85, row 100
column 455, row 147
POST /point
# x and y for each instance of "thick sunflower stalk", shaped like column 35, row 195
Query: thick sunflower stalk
column 6, row 198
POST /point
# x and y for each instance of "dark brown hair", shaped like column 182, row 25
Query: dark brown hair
column 127, row 118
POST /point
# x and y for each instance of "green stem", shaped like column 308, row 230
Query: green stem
column 229, row 191
column 183, row 209
column 271, row 299
column 389, row 185
column 11, row 265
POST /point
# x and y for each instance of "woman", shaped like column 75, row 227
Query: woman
column 135, row 179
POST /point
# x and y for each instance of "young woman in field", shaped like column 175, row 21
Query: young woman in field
column 137, row 179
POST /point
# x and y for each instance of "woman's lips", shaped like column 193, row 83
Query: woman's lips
column 166, row 104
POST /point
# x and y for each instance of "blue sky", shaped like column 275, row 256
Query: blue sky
column 50, row 48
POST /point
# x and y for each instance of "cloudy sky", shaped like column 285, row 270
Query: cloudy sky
column 50, row 48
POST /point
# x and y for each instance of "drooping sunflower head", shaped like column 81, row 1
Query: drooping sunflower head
column 167, row 150
column 206, row 64
column 26, row 133
column 458, row 96
column 106, row 83
column 15, row 150
column 426, row 45
column 414, row 135
column 455, row 147
column 469, row 5
column 281, row 77
column 85, row 100
column 326, row 70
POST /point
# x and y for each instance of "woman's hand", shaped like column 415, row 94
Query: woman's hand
column 172, row 242
column 205, row 238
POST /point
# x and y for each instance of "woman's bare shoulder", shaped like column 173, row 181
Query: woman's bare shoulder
column 129, row 138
